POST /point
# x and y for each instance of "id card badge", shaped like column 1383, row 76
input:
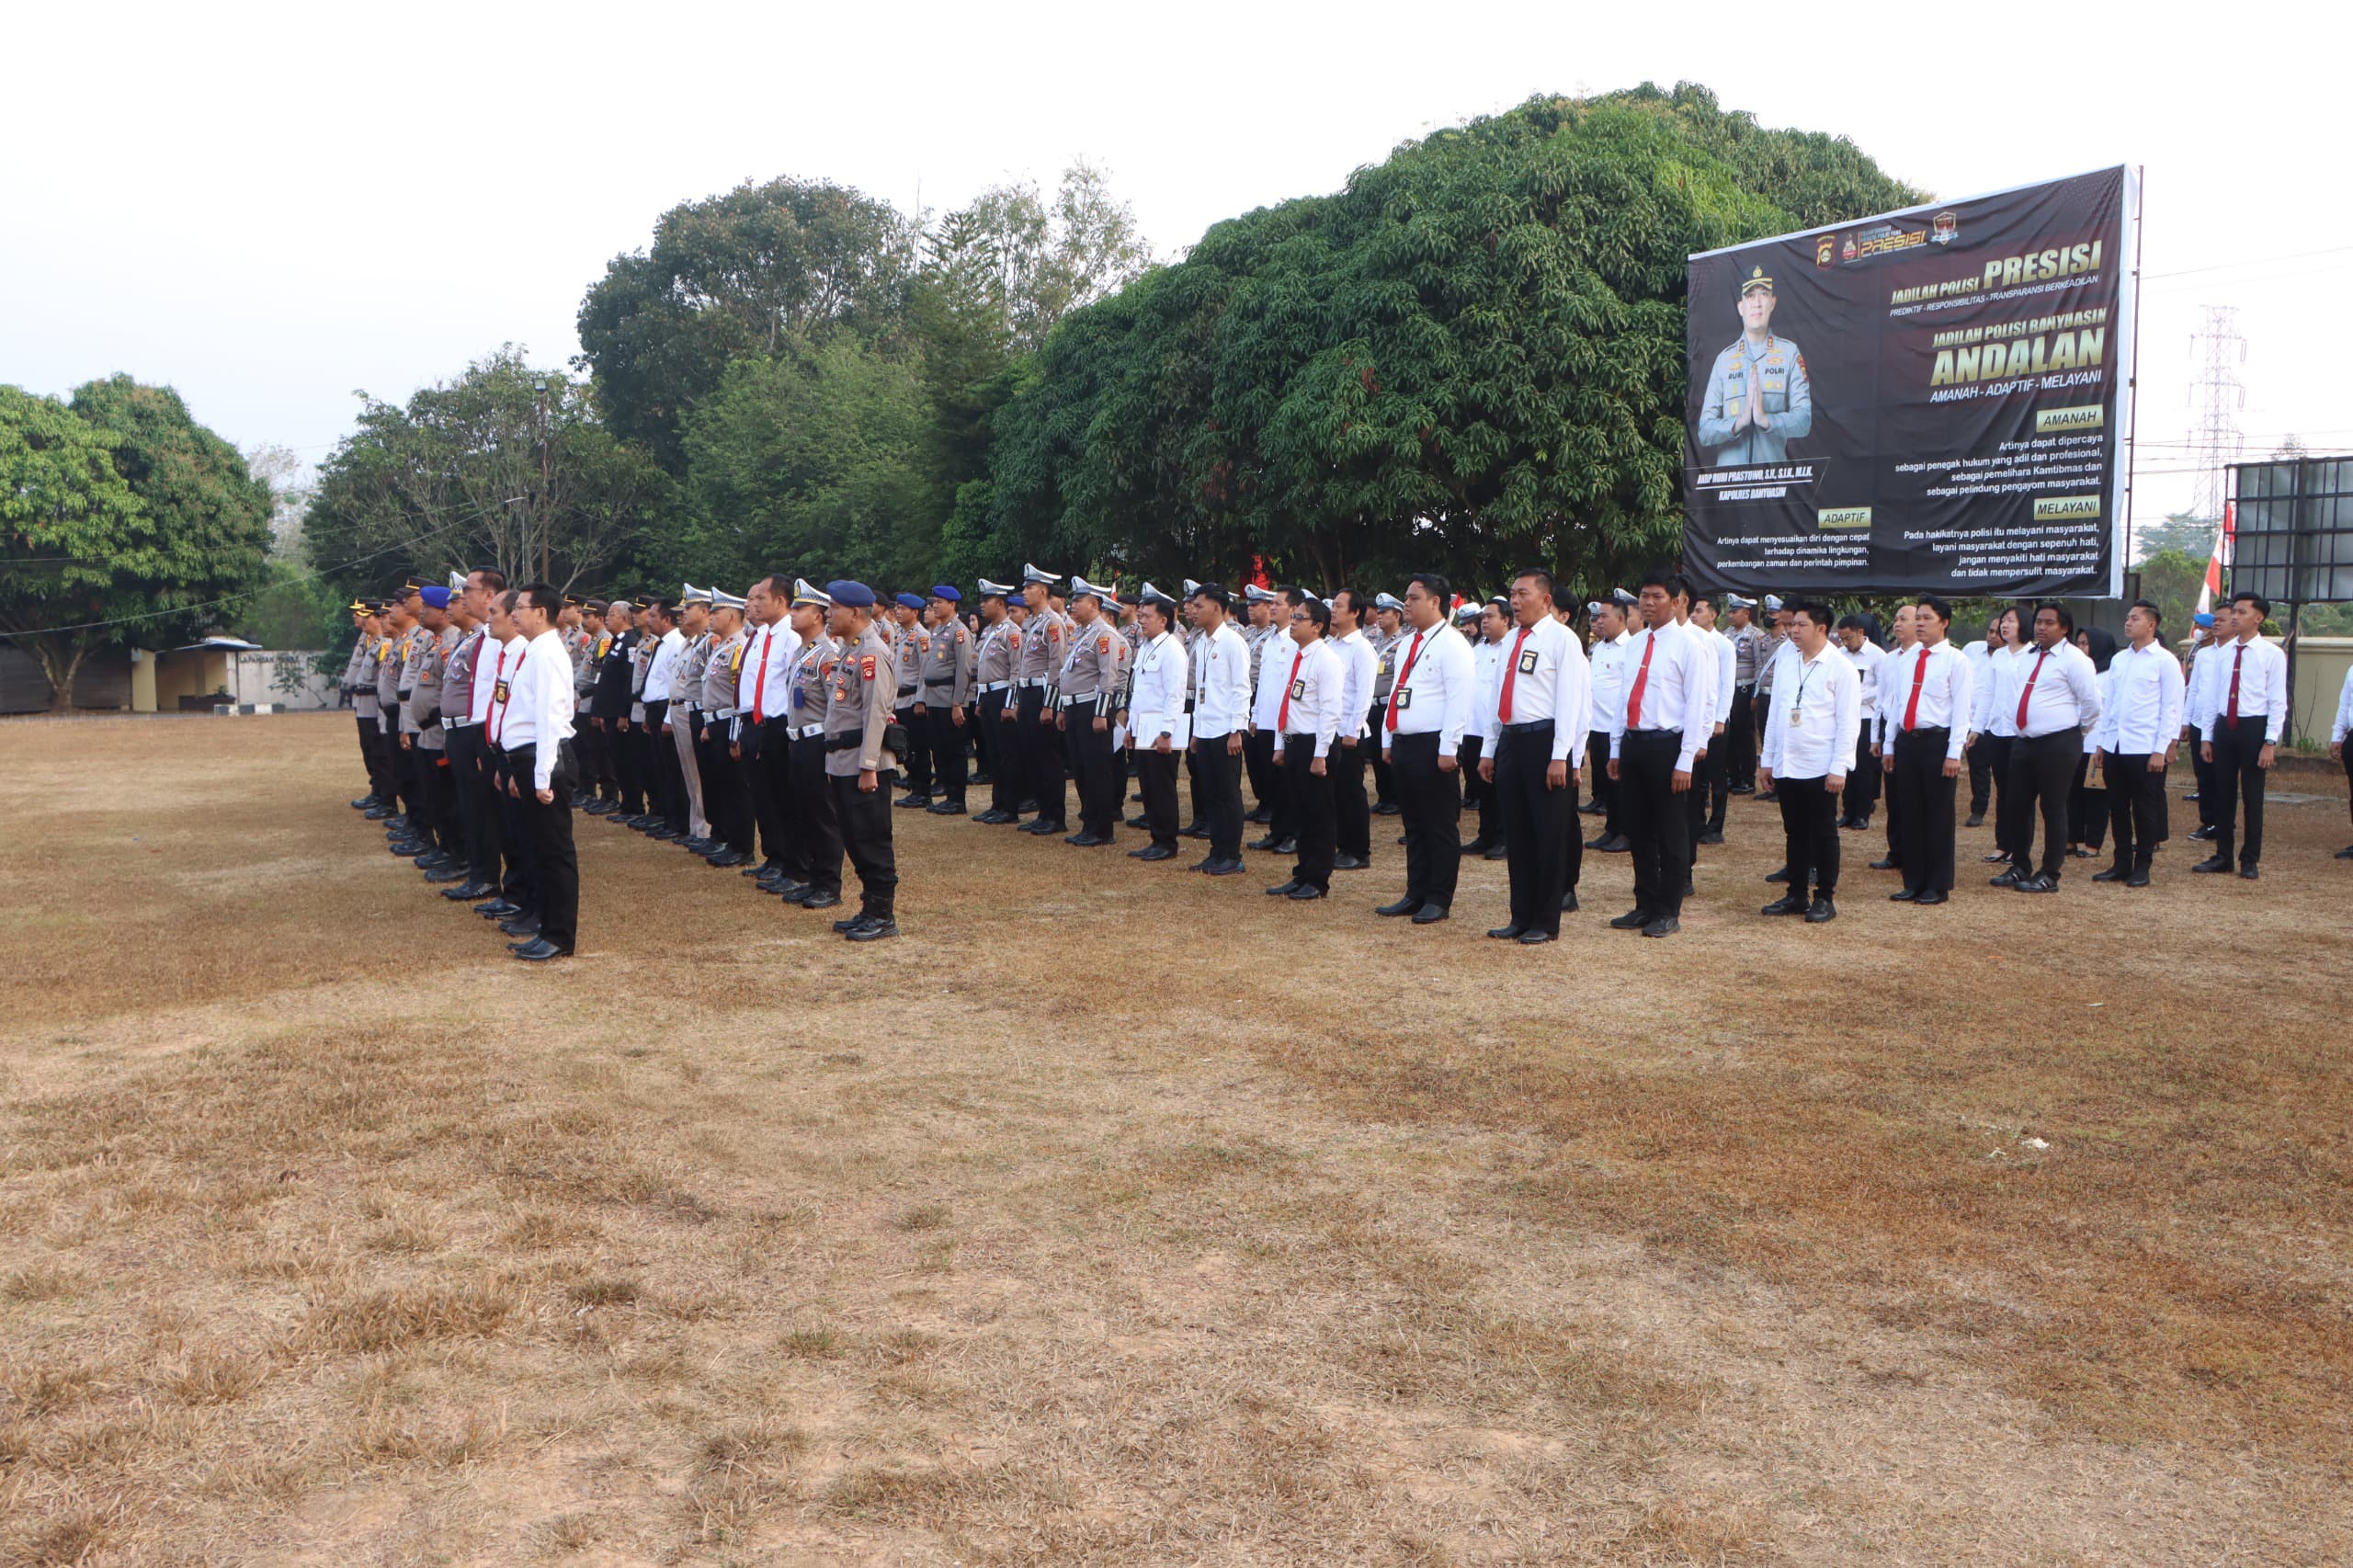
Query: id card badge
column 1527, row 663
column 499, row 691
column 1299, row 691
column 1404, row 697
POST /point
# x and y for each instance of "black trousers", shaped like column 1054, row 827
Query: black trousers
column 1157, row 777
column 403, row 780
column 409, row 761
column 1041, row 757
column 2042, row 774
column 2203, row 771
column 440, row 786
column 1809, row 833
column 372, row 757
column 790, row 848
column 1894, row 833
column 1000, row 755
column 1282, row 816
column 520, row 886
column 1266, row 773
column 947, row 749
column 2136, row 808
column 725, row 802
column 1603, row 789
column 2237, row 776
column 629, row 764
column 665, row 780
column 816, row 821
column 918, row 757
column 753, row 742
column 1539, row 824
column 1351, row 812
column 2088, row 806
column 1429, row 807
column 1717, row 795
column 477, row 808
column 554, row 859
column 865, row 818
column 1863, row 781
column 1309, row 795
column 1983, row 771
column 1921, row 800
column 588, row 743
column 1479, row 796
column 1739, row 740
column 1657, row 821
column 1196, row 789
column 2008, row 828
column 1091, row 764
column 1384, row 777
column 1218, row 782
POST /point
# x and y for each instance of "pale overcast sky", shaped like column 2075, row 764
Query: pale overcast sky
column 269, row 205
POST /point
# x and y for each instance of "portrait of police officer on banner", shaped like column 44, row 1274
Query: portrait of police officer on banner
column 1759, row 399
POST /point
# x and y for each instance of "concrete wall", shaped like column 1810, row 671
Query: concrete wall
column 2321, row 662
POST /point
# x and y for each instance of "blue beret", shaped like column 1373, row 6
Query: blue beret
column 436, row 597
column 948, row 591
column 912, row 601
column 2202, row 619
column 857, row 596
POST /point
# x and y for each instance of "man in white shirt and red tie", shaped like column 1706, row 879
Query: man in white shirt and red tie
column 1218, row 668
column 1158, row 729
column 536, row 735
column 1930, row 683
column 1307, row 724
column 1430, row 704
column 1810, row 726
column 1362, row 661
column 2140, row 725
column 2249, row 696
column 2058, row 700
column 1669, row 713
column 1543, row 705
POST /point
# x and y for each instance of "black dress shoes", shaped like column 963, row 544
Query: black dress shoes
column 1781, row 876
column 1287, row 847
column 1712, row 837
column 2035, row 884
column 1633, row 920
column 1430, row 915
column 1284, row 890
column 1507, row 933
column 2139, row 879
column 1568, row 902
column 451, row 874
column 2249, row 870
column 1787, row 904
column 498, row 909
column 2008, row 879
column 1664, row 926
column 1533, row 936
column 1932, row 896
column 1088, row 840
column 1304, row 892
column 1348, row 863
column 1266, row 841
column 469, row 892
column 541, row 950
column 1902, row 895
column 1156, row 852
column 817, row 899
column 1976, row 819
column 2113, row 874
column 871, row 930
column 945, row 808
column 1610, row 844
column 912, row 802
column 1821, row 909
column 1402, row 906
column 521, row 925
column 1886, row 866
column 2213, row 863
column 1497, row 852
column 1226, row 868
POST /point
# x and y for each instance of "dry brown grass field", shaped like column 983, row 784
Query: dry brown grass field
column 1114, row 1214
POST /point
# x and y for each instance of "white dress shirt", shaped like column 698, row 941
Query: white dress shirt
column 1995, row 711
column 1815, row 715
column 1676, row 690
column 538, row 705
column 1156, row 700
column 1867, row 661
column 493, row 662
column 1727, row 658
column 666, row 662
column 1221, row 676
column 1943, row 690
column 1360, row 662
column 771, row 649
column 2143, row 703
column 2261, row 672
column 1889, row 715
column 2198, row 696
column 1605, row 664
column 1274, row 663
column 2060, row 686
column 1436, row 688
column 1311, row 681
column 2344, row 719
column 1545, row 668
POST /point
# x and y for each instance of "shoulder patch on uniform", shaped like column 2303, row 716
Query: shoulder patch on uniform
column 1103, row 645
column 866, row 666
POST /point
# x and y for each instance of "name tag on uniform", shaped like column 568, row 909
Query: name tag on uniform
column 1527, row 663
column 499, row 691
column 1404, row 697
column 1298, row 691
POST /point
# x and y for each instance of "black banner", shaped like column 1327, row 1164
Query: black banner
column 1929, row 400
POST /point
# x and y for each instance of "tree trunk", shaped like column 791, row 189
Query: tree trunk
column 60, row 665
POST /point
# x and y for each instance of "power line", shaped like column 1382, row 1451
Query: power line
column 2254, row 261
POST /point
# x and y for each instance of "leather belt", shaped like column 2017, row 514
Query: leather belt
column 989, row 688
column 806, row 731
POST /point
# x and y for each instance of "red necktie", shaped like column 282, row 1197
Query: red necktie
column 1282, row 715
column 760, row 681
column 1511, row 674
column 1642, row 679
column 2237, row 659
column 1403, row 677
column 2028, row 695
column 1919, row 674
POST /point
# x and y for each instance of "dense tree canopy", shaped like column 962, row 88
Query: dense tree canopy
column 121, row 518
column 1471, row 355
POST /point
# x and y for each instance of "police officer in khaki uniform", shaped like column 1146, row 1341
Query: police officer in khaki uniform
column 683, row 719
column 946, row 689
column 725, row 798
column 813, row 851
column 443, row 858
column 861, row 767
column 993, row 658
column 906, row 638
column 392, row 645
column 1759, row 398
column 1385, row 633
column 1088, row 687
column 1043, row 638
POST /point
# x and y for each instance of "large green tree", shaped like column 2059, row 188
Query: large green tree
column 1471, row 357
column 505, row 466
column 121, row 519
column 735, row 277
